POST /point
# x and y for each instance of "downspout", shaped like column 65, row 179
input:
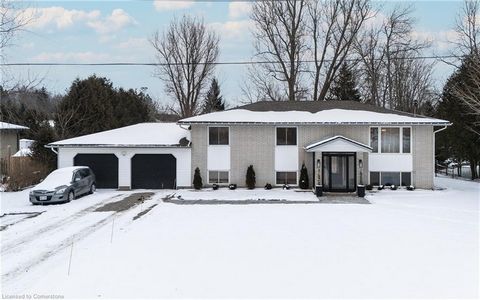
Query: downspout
column 53, row 150
column 434, row 133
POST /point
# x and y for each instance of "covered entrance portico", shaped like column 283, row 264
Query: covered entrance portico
column 338, row 163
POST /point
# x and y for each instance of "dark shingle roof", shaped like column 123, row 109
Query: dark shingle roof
column 316, row 106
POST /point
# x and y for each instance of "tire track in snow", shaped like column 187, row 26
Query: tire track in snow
column 50, row 229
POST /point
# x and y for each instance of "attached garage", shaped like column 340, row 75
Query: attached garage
column 104, row 166
column 154, row 171
column 141, row 156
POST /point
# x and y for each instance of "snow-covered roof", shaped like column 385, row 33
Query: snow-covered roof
column 23, row 152
column 5, row 125
column 327, row 117
column 338, row 143
column 139, row 135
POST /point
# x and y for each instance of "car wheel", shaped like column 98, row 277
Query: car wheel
column 71, row 196
column 93, row 188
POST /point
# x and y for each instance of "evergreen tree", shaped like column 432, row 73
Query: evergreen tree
column 457, row 142
column 250, row 178
column 304, row 177
column 197, row 179
column 93, row 104
column 213, row 100
column 44, row 135
column 344, row 86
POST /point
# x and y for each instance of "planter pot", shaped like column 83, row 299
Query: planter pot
column 319, row 190
column 360, row 190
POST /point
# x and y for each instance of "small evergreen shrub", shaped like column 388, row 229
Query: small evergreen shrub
column 215, row 186
column 410, row 187
column 304, row 177
column 369, row 187
column 286, row 187
column 380, row 187
column 232, row 186
column 393, row 187
column 268, row 186
column 250, row 178
column 197, row 179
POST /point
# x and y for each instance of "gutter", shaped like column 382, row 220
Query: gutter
column 313, row 123
column 111, row 146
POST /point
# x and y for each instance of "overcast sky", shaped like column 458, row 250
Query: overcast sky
column 118, row 31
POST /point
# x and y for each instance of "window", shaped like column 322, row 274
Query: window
column 218, row 177
column 406, row 140
column 390, row 138
column 390, row 178
column 218, row 135
column 374, row 139
column 287, row 178
column 375, row 178
column 286, row 136
column 406, row 178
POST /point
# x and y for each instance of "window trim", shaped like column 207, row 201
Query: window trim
column 296, row 139
column 291, row 171
column 379, row 130
column 217, row 145
column 221, row 184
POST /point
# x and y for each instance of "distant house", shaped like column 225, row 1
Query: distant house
column 9, row 137
column 24, row 148
column 342, row 143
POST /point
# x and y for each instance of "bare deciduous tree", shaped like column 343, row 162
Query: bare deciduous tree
column 186, row 53
column 280, row 42
column 392, row 74
column 333, row 27
column 469, row 91
column 12, row 20
column 468, row 28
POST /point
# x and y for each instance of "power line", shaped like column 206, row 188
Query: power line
column 201, row 63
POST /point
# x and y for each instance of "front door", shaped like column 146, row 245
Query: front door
column 339, row 172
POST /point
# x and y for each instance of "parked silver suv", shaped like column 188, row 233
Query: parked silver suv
column 63, row 185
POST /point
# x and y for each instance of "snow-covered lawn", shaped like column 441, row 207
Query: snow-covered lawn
column 241, row 194
column 406, row 244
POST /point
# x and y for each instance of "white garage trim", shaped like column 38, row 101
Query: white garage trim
column 183, row 156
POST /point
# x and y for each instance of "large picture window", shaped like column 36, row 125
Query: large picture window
column 390, row 140
column 218, row 135
column 218, row 177
column 287, row 178
column 287, row 136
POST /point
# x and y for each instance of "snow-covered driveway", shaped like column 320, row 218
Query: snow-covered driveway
column 406, row 244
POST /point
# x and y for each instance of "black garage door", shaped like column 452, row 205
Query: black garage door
column 104, row 166
column 153, row 171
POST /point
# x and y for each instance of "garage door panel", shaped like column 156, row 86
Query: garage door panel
column 104, row 166
column 154, row 171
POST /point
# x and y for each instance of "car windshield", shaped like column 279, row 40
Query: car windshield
column 55, row 179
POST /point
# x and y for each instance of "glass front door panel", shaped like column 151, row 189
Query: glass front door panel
column 339, row 172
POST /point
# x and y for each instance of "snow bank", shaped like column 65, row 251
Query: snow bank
column 224, row 194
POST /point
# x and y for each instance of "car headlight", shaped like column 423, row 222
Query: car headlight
column 60, row 191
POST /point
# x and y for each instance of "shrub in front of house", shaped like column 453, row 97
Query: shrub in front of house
column 286, row 187
column 268, row 186
column 380, row 187
column 215, row 186
column 197, row 179
column 304, row 177
column 410, row 188
column 250, row 178
column 232, row 186
column 369, row 187
column 393, row 187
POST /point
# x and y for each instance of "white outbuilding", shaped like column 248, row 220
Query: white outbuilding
column 141, row 156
